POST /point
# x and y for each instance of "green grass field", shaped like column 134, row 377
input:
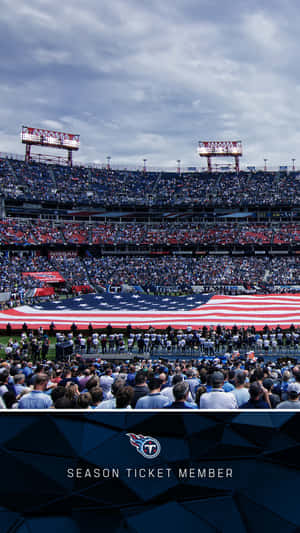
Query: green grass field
column 4, row 340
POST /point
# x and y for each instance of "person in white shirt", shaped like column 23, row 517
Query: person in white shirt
column 217, row 398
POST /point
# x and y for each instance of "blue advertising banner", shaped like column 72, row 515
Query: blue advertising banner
column 148, row 472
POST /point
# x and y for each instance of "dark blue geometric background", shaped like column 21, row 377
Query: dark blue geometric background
column 36, row 496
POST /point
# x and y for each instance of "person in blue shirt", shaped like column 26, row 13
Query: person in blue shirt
column 192, row 381
column 37, row 399
column 19, row 380
column 27, row 370
column 153, row 400
column 68, row 377
column 131, row 376
column 259, row 397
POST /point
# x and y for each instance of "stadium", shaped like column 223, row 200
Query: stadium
column 189, row 276
column 149, row 266
column 195, row 247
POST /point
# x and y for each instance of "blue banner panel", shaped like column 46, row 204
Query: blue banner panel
column 148, row 472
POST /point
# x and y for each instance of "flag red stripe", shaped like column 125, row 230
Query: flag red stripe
column 255, row 310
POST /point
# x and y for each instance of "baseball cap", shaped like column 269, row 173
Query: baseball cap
column 267, row 383
column 294, row 387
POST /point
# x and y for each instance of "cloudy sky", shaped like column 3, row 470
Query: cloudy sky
column 149, row 78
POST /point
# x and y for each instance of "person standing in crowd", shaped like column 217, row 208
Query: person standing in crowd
column 259, row 397
column 217, row 398
column 140, row 388
column 111, row 402
column 293, row 401
column 181, row 392
column 240, row 392
column 155, row 399
column 37, row 398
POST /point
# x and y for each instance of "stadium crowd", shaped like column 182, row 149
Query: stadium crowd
column 157, row 275
column 40, row 232
column 91, row 186
column 29, row 380
column 223, row 372
column 14, row 266
column 211, row 272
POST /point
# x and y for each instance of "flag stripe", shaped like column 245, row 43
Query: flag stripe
column 142, row 311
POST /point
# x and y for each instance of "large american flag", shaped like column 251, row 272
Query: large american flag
column 141, row 310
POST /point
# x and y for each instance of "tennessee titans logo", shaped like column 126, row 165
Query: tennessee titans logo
column 146, row 446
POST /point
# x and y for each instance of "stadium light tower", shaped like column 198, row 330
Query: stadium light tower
column 265, row 169
column 293, row 167
column 211, row 149
column 108, row 162
column 144, row 168
column 178, row 166
column 49, row 138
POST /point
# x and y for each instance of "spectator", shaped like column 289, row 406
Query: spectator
column 181, row 391
column 274, row 398
column 9, row 399
column 240, row 392
column 293, row 401
column 124, row 397
column 19, row 380
column 106, row 381
column 117, row 385
column 259, row 397
column 84, row 400
column 97, row 397
column 37, row 399
column 140, row 388
column 153, row 400
column 217, row 398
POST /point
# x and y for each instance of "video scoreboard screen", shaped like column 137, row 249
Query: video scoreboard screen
column 219, row 148
column 55, row 139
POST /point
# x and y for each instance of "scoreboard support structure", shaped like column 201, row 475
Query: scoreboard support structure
column 211, row 149
column 49, row 138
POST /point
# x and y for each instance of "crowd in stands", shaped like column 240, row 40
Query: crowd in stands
column 71, row 268
column 91, row 186
column 176, row 274
column 77, row 185
column 39, row 232
column 210, row 271
column 14, row 265
column 30, row 380
column 34, row 232
column 12, row 268
column 185, row 234
column 76, row 233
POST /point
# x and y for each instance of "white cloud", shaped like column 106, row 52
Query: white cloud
column 44, row 56
column 149, row 79
column 262, row 30
column 52, row 124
